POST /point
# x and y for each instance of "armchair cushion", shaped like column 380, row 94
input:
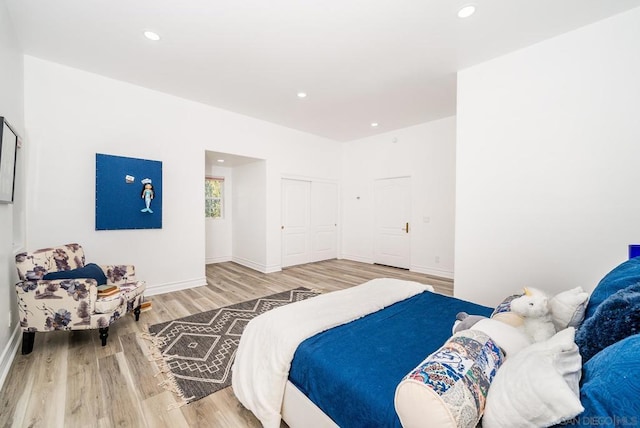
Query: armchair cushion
column 90, row 270
column 130, row 294
column 61, row 304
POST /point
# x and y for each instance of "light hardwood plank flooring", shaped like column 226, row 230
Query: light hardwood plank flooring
column 69, row 380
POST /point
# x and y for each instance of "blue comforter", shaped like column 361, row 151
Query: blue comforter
column 351, row 371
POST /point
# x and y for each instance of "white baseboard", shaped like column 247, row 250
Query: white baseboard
column 256, row 266
column 357, row 258
column 272, row 269
column 210, row 260
column 432, row 271
column 9, row 353
column 248, row 263
column 442, row 273
column 174, row 286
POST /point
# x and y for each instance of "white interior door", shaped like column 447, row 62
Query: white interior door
column 296, row 246
column 392, row 205
column 324, row 221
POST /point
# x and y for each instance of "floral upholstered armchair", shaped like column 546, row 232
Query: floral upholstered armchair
column 57, row 291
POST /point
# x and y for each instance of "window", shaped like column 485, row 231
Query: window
column 213, row 197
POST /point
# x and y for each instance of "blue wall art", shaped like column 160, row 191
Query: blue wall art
column 128, row 193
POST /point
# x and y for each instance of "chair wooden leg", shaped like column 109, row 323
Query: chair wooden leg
column 136, row 312
column 27, row 341
column 104, row 333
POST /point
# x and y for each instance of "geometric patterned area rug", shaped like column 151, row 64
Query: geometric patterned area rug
column 196, row 353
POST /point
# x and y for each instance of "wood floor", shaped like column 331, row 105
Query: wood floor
column 69, row 380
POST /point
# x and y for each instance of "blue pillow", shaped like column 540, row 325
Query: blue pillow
column 610, row 389
column 616, row 318
column 90, row 270
column 624, row 275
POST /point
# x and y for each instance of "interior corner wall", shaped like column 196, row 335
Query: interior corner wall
column 72, row 114
column 547, row 163
column 218, row 231
column 426, row 153
column 249, row 202
column 11, row 215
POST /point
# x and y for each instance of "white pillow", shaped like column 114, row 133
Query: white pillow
column 568, row 308
column 537, row 387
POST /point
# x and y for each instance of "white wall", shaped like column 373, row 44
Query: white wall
column 425, row 152
column 218, row 232
column 11, row 215
column 72, row 114
column 250, row 206
column 291, row 158
column 547, row 163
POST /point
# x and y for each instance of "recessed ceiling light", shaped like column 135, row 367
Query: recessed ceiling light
column 466, row 11
column 302, row 95
column 221, row 160
column 152, row 36
column 374, row 124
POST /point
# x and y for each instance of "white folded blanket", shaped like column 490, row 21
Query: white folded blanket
column 269, row 341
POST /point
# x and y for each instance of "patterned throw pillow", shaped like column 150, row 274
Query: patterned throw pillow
column 503, row 313
column 449, row 388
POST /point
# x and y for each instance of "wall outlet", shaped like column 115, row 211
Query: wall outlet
column 9, row 319
column 437, row 259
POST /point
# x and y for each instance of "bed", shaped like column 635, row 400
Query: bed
column 385, row 346
column 337, row 359
column 375, row 321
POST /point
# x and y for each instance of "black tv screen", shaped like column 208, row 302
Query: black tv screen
column 8, row 152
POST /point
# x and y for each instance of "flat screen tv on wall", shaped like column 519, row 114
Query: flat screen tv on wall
column 8, row 151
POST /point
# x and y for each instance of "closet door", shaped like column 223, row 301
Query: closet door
column 324, row 221
column 309, row 221
column 296, row 220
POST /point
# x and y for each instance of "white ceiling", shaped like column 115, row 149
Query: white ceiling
column 360, row 61
column 212, row 159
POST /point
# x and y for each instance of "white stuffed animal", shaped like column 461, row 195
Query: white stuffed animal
column 534, row 308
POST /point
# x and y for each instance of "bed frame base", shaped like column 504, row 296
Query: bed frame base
column 300, row 412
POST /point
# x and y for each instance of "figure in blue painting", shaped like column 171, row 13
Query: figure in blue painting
column 147, row 195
